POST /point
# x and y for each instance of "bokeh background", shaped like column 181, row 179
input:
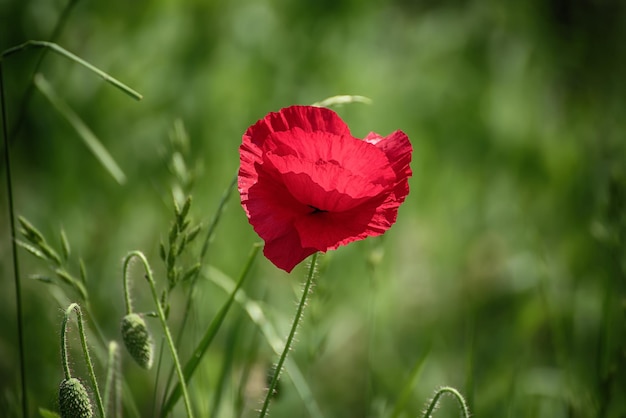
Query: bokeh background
column 504, row 275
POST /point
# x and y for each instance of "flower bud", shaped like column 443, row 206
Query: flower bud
column 137, row 339
column 74, row 401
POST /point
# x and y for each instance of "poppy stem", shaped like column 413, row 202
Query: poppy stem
column 74, row 307
column 161, row 315
column 294, row 326
column 452, row 391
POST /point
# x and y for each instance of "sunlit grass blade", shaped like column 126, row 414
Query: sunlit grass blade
column 341, row 100
column 61, row 51
column 407, row 390
column 255, row 312
column 88, row 137
column 205, row 342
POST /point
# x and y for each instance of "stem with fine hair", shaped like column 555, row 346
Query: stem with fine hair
column 83, row 341
column 290, row 337
column 452, row 391
column 16, row 273
column 161, row 314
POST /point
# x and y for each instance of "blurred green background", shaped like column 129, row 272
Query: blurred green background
column 506, row 268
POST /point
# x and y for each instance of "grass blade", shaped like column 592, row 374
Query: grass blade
column 214, row 326
column 341, row 100
column 88, row 137
column 255, row 312
column 61, row 51
column 405, row 394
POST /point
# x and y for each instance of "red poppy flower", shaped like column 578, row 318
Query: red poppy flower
column 308, row 185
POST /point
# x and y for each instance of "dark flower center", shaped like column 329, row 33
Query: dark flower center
column 316, row 210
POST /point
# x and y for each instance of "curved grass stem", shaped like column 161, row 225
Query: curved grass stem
column 61, row 51
column 56, row 32
column 452, row 391
column 292, row 333
column 161, row 314
column 209, row 334
column 83, row 341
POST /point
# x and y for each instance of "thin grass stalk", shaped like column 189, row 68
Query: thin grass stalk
column 56, row 32
column 191, row 292
column 63, row 52
column 371, row 339
column 16, row 273
column 214, row 326
column 255, row 312
column 292, row 333
column 161, row 315
column 157, row 377
column 83, row 341
column 250, row 359
column 471, row 355
column 90, row 140
column 407, row 390
column 129, row 401
column 113, row 406
column 205, row 248
column 226, row 365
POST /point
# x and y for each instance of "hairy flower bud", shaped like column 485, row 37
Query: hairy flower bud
column 74, row 401
column 137, row 339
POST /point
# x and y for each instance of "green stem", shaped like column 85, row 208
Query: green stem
column 83, row 341
column 29, row 91
column 16, row 273
column 194, row 279
column 290, row 338
column 452, row 391
column 61, row 51
column 128, row 304
column 112, row 380
column 210, row 333
column 90, row 140
column 161, row 314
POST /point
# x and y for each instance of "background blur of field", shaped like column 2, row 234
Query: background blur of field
column 508, row 261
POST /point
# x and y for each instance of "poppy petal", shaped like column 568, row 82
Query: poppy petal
column 307, row 185
column 307, row 118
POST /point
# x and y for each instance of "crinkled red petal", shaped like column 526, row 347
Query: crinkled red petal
column 307, row 118
column 307, row 185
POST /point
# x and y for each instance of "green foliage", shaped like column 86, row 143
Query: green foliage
column 37, row 245
column 506, row 265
